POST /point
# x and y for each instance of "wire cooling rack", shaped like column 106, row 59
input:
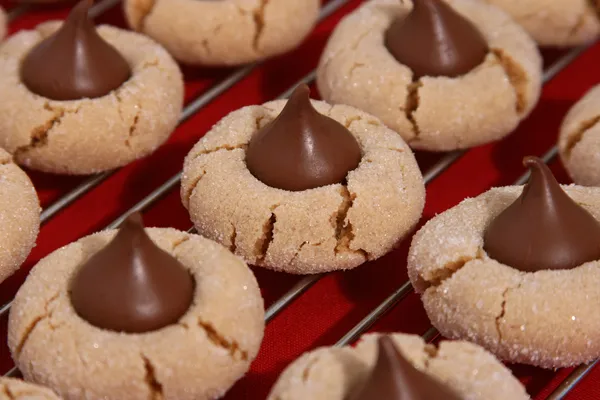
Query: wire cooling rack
column 325, row 309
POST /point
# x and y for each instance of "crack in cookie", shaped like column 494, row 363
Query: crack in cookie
column 39, row 135
column 263, row 243
column 155, row 387
column 259, row 22
column 411, row 106
column 498, row 320
column 218, row 340
column 577, row 136
column 516, row 76
column 439, row 276
column 232, row 238
column 34, row 324
column 133, row 127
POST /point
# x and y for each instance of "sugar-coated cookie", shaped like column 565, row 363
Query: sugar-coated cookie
column 137, row 314
column 223, row 33
column 557, row 23
column 303, row 187
column 16, row 389
column 19, row 216
column 470, row 83
column 333, row 373
column 579, row 140
column 63, row 118
column 516, row 271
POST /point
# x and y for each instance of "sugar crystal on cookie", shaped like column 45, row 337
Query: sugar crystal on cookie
column 132, row 285
column 544, row 229
column 74, row 62
column 395, row 378
column 434, row 40
column 302, row 148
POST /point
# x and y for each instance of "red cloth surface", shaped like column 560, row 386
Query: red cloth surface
column 335, row 304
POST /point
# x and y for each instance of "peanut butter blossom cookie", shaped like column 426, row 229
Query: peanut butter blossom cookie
column 579, row 140
column 137, row 314
column 19, row 216
column 398, row 367
column 516, row 270
column 467, row 76
column 15, row 389
column 85, row 100
column 223, row 32
column 303, row 187
column 556, row 22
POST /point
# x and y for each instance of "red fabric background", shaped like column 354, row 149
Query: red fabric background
column 340, row 300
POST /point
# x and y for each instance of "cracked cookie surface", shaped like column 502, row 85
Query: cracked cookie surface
column 90, row 135
column 223, row 33
column 19, row 216
column 433, row 113
column 558, row 23
column 333, row 373
column 198, row 358
column 545, row 318
column 16, row 389
column 328, row 228
column 579, row 139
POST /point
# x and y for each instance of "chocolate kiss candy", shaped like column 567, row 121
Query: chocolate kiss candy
column 434, row 40
column 75, row 62
column 544, row 228
column 132, row 285
column 395, row 378
column 302, row 149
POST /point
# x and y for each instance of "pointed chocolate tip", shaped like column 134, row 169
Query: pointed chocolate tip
column 81, row 9
column 133, row 219
column 394, row 377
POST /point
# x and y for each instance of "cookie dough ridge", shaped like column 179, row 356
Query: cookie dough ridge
column 90, row 135
column 579, row 139
column 223, row 33
column 223, row 329
column 433, row 113
column 343, row 225
column 331, row 373
column 544, row 318
column 20, row 214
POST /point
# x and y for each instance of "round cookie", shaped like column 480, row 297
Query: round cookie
column 2, row 23
column 579, row 140
column 198, row 357
column 331, row 373
column 557, row 23
column 433, row 113
column 330, row 227
column 223, row 33
column 16, row 389
column 539, row 316
column 89, row 135
column 19, row 216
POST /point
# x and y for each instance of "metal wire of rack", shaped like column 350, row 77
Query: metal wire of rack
column 305, row 283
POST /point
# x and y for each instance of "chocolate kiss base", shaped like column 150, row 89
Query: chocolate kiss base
column 544, row 228
column 435, row 40
column 74, row 62
column 302, row 149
